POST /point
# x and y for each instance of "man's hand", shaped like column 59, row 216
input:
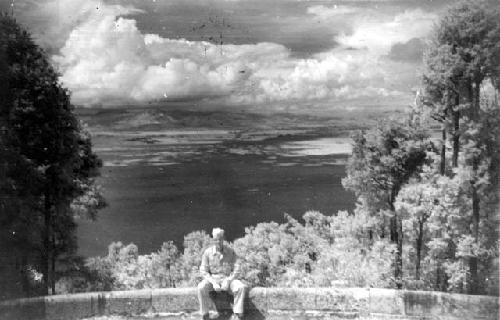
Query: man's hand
column 217, row 287
column 225, row 284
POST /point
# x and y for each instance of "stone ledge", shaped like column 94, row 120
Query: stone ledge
column 262, row 303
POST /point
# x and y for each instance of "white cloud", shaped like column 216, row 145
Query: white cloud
column 379, row 34
column 106, row 59
column 51, row 21
column 375, row 30
column 333, row 75
column 373, row 33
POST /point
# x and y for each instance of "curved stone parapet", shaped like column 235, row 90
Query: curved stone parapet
column 262, row 303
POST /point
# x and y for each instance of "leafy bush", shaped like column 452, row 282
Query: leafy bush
column 123, row 268
column 324, row 252
column 189, row 263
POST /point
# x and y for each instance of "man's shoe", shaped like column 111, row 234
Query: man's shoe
column 205, row 317
column 237, row 316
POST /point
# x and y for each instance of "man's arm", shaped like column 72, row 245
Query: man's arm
column 205, row 270
column 236, row 270
column 234, row 275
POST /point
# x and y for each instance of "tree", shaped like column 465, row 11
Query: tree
column 481, row 141
column 438, row 212
column 443, row 69
column 463, row 57
column 165, row 267
column 464, row 52
column 414, row 204
column 194, row 245
column 43, row 137
column 382, row 161
column 426, row 209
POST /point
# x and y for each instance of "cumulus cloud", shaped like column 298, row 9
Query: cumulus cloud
column 105, row 58
column 374, row 30
column 336, row 74
column 51, row 21
column 379, row 35
column 393, row 43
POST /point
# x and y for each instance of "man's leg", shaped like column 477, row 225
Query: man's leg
column 239, row 290
column 204, row 289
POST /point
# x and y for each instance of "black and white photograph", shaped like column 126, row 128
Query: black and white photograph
column 249, row 159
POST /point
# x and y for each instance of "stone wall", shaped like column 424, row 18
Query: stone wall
column 263, row 303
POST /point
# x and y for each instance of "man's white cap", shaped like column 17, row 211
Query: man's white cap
column 217, row 233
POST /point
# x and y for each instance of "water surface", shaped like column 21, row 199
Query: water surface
column 164, row 182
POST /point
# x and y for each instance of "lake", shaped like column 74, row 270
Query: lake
column 162, row 184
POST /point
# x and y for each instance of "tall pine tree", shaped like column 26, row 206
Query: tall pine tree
column 463, row 58
column 382, row 162
column 47, row 162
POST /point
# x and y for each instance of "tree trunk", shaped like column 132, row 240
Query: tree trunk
column 443, row 150
column 438, row 277
column 399, row 257
column 397, row 238
column 394, row 239
column 456, row 137
column 382, row 228
column 473, row 262
column 53, row 265
column 25, row 283
column 475, row 229
column 47, row 246
column 419, row 249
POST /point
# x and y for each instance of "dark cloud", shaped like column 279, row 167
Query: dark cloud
column 239, row 22
column 410, row 51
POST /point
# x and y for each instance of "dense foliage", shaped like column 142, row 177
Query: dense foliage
column 324, row 251
column 382, row 162
column 47, row 167
column 460, row 89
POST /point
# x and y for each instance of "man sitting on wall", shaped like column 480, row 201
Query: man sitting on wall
column 220, row 269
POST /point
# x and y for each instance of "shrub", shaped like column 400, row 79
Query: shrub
column 189, row 263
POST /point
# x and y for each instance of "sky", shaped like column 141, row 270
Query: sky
column 277, row 54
